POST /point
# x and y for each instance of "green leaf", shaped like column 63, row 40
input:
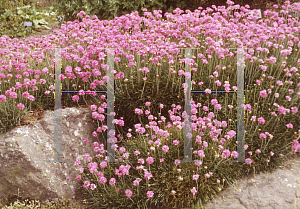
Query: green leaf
column 45, row 26
column 43, row 22
column 33, row 12
column 7, row 13
column 35, row 22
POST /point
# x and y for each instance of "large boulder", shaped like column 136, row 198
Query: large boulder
column 25, row 149
column 278, row 189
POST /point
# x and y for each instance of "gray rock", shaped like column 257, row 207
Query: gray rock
column 25, row 149
column 277, row 190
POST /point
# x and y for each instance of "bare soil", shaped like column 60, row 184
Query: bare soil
column 54, row 25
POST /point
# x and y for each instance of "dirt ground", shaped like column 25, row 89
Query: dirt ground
column 43, row 32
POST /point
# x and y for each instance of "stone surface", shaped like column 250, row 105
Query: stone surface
column 24, row 150
column 277, row 190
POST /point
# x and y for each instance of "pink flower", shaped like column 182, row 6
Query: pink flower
column 82, row 12
column 296, row 146
column 224, row 124
column 136, row 182
column 150, row 194
column 263, row 93
column 138, row 111
column 130, row 64
column 103, row 164
column 177, row 162
column 257, row 151
column 294, row 109
column 226, row 153
column 25, row 94
column 214, row 101
column 198, row 162
column 175, row 142
column 207, row 175
column 62, row 77
column 271, row 153
column 165, row 148
column 180, row 72
column 218, row 83
column 93, row 186
column 45, row 71
column 32, row 98
column 95, row 134
column 289, row 125
column 112, row 181
column 148, row 103
column 150, row 160
column 81, row 92
column 125, row 155
column 161, row 160
column 128, row 193
column 20, row 106
column 261, row 120
column 262, row 136
column 147, row 175
column 201, row 153
column 77, row 162
column 122, row 149
column 281, row 110
column 150, row 117
column 13, row 95
column 207, row 91
column 216, row 73
column 248, row 161
column 194, row 190
column 95, row 115
column 234, row 154
column 78, row 177
column 195, row 177
column 218, row 107
column 137, row 153
column 231, row 133
column 102, row 180
column 75, row 98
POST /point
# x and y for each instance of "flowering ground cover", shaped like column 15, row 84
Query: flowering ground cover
column 149, row 59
